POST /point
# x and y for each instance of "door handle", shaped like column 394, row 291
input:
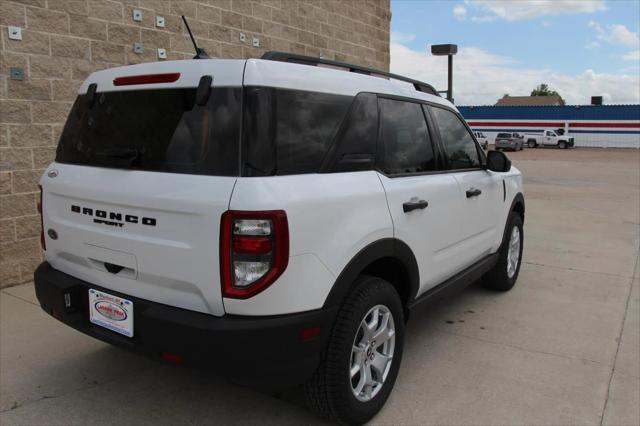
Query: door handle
column 414, row 205
column 473, row 192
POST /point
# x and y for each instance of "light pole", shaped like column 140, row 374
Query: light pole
column 446, row 50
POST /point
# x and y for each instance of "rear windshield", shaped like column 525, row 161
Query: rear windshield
column 504, row 135
column 155, row 130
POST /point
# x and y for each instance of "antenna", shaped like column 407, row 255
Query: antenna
column 200, row 53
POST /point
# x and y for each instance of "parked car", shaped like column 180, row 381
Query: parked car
column 275, row 221
column 482, row 139
column 511, row 141
column 549, row 138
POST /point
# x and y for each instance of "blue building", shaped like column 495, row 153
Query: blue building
column 591, row 125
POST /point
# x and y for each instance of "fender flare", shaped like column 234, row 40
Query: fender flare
column 517, row 199
column 385, row 248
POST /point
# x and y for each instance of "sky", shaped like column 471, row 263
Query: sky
column 580, row 48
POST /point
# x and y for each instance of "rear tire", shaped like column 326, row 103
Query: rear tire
column 504, row 274
column 562, row 145
column 532, row 144
column 335, row 392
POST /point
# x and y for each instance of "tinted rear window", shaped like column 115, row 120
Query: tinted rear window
column 289, row 131
column 504, row 135
column 155, row 130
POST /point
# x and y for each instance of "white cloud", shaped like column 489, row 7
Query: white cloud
column 517, row 10
column 632, row 56
column 616, row 34
column 621, row 34
column 481, row 78
column 460, row 12
column 402, row 38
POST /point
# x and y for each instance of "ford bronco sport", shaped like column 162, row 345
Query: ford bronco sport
column 277, row 219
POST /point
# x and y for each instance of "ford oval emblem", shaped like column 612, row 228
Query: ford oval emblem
column 52, row 173
column 111, row 311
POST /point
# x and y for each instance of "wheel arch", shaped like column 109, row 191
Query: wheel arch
column 517, row 206
column 390, row 259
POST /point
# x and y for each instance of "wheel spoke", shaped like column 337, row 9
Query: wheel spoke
column 379, row 364
column 384, row 335
column 368, row 390
column 361, row 383
column 355, row 369
column 370, row 327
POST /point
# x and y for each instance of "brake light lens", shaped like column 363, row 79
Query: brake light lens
column 146, row 79
column 254, row 251
column 42, row 241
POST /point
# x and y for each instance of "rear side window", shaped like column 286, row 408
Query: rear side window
column 356, row 143
column 406, row 145
column 155, row 130
column 460, row 148
column 289, row 131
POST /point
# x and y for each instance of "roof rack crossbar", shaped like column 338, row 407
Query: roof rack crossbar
column 309, row 60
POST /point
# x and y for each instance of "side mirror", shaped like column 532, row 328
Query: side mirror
column 497, row 161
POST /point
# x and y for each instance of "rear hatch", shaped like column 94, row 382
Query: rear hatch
column 145, row 168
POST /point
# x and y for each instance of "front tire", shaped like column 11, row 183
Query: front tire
column 504, row 274
column 361, row 363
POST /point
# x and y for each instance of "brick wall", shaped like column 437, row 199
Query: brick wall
column 63, row 41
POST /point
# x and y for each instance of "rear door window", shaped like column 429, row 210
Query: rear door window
column 460, row 148
column 406, row 143
column 155, row 130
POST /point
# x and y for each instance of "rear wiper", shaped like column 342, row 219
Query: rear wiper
column 131, row 154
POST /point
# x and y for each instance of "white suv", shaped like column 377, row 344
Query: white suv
column 274, row 220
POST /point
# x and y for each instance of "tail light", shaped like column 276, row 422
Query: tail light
column 254, row 251
column 146, row 79
column 42, row 241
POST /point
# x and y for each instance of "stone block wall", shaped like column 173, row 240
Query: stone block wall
column 63, row 41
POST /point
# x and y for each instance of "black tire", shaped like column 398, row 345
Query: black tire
column 329, row 391
column 532, row 144
column 562, row 145
column 498, row 277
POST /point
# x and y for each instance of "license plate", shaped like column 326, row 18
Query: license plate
column 112, row 312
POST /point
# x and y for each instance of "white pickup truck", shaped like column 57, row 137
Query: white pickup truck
column 548, row 138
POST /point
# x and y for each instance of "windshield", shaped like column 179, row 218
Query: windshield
column 155, row 130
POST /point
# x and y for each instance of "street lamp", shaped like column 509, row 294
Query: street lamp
column 446, row 50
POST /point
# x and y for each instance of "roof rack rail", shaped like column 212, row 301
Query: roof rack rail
column 309, row 60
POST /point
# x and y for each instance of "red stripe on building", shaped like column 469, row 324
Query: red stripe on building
column 550, row 124
column 515, row 123
column 592, row 124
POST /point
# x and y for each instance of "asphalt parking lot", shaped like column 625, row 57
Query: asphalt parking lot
column 561, row 348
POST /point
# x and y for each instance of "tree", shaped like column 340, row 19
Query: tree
column 543, row 90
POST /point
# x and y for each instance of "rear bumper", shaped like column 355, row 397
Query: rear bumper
column 262, row 351
column 504, row 144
